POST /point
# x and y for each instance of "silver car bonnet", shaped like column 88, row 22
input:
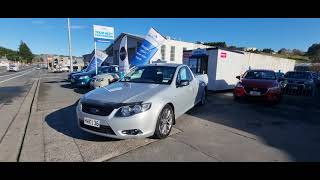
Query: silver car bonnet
column 124, row 92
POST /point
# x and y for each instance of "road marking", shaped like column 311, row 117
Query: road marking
column 15, row 73
column 16, row 76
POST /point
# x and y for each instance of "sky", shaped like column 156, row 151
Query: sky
column 50, row 35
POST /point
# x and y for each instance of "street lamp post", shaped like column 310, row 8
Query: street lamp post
column 69, row 38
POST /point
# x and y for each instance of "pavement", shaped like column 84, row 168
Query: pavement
column 222, row 130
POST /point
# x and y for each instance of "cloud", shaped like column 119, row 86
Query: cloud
column 77, row 27
column 38, row 22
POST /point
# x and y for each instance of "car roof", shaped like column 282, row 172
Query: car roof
column 261, row 70
column 165, row 64
column 298, row 72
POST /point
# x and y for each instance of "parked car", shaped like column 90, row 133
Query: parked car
column 299, row 82
column 64, row 69
column 143, row 103
column 262, row 84
column 316, row 78
column 13, row 67
column 105, row 77
column 83, row 79
column 75, row 72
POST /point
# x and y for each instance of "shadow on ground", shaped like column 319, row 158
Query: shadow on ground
column 52, row 82
column 64, row 121
column 8, row 93
column 82, row 90
column 291, row 126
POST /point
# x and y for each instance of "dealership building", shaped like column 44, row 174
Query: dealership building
column 171, row 51
column 223, row 65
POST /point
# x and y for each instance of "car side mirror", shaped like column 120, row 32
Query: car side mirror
column 238, row 77
column 183, row 83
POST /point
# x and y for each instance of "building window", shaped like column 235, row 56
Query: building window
column 184, row 49
column 163, row 52
column 172, row 53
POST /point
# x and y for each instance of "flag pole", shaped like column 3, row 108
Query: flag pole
column 69, row 38
column 95, row 56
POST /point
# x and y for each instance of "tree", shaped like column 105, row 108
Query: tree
column 216, row 44
column 233, row 47
column 25, row 52
column 297, row 52
column 314, row 52
column 267, row 50
column 284, row 51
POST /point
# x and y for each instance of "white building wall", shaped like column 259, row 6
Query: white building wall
column 212, row 68
column 236, row 64
column 179, row 45
column 258, row 61
column 228, row 68
column 222, row 72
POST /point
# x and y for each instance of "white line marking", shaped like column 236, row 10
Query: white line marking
column 15, row 73
column 16, row 76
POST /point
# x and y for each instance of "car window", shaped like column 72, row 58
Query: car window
column 260, row 75
column 184, row 74
column 151, row 74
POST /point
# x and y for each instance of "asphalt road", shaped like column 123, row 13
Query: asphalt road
column 14, row 87
column 222, row 130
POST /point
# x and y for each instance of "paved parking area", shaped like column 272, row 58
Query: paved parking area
column 222, row 130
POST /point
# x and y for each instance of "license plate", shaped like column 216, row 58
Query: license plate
column 91, row 122
column 255, row 93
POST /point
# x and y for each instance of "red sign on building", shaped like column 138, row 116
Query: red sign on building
column 223, row 55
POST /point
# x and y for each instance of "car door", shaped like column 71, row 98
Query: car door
column 183, row 95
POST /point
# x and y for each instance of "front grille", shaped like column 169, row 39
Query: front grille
column 261, row 90
column 102, row 129
column 97, row 109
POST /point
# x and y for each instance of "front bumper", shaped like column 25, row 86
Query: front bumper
column 299, row 87
column 81, row 82
column 112, row 126
column 270, row 95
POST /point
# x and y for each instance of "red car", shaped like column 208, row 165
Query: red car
column 261, row 84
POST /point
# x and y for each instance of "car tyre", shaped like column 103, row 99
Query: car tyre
column 164, row 123
column 203, row 98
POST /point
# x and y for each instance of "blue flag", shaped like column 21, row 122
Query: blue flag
column 148, row 48
column 100, row 57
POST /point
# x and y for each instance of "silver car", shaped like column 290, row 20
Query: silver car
column 144, row 103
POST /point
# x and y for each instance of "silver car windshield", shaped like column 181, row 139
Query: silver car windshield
column 150, row 74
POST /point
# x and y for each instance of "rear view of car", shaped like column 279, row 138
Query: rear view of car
column 258, row 84
column 298, row 83
column 13, row 68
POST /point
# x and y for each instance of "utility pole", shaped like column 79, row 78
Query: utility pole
column 69, row 38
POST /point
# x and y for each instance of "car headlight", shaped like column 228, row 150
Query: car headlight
column 80, row 104
column 130, row 110
column 239, row 85
column 83, row 77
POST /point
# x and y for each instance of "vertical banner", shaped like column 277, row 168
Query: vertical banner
column 148, row 48
column 97, row 60
column 123, row 57
column 101, row 34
